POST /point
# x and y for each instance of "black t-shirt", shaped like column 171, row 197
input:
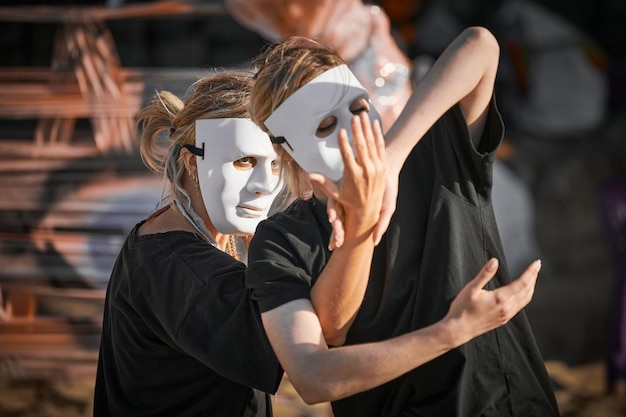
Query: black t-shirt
column 441, row 234
column 181, row 336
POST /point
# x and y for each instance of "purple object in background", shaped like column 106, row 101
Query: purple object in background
column 612, row 207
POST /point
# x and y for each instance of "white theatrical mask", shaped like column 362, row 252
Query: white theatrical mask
column 238, row 173
column 298, row 118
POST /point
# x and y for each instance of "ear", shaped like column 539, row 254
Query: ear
column 189, row 160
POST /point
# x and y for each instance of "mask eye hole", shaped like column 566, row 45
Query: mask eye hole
column 245, row 163
column 359, row 105
column 326, row 127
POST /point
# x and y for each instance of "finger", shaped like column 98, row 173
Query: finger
column 348, row 157
column 366, row 149
column 340, row 215
column 365, row 146
column 487, row 272
column 367, row 127
column 338, row 234
column 358, row 142
column 383, row 224
column 523, row 287
column 331, row 210
column 331, row 241
column 379, row 139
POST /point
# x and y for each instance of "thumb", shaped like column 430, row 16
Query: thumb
column 485, row 275
column 382, row 225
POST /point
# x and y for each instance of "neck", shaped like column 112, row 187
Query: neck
column 221, row 240
column 319, row 192
column 186, row 224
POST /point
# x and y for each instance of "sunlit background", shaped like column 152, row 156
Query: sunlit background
column 72, row 184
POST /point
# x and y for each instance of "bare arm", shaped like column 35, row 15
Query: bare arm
column 464, row 73
column 339, row 290
column 321, row 374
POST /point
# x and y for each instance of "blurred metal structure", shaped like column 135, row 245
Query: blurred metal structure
column 85, row 79
column 68, row 199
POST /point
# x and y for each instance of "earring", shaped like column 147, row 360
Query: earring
column 195, row 180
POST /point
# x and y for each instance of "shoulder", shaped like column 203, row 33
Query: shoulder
column 287, row 253
column 453, row 126
column 302, row 221
column 299, row 212
column 183, row 252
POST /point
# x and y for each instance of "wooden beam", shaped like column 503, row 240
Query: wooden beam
column 155, row 9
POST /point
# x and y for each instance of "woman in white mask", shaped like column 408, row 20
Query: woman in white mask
column 439, row 155
column 175, row 302
column 180, row 333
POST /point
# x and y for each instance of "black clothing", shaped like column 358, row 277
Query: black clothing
column 181, row 336
column 441, row 234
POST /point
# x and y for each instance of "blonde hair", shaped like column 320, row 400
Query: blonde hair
column 168, row 123
column 281, row 70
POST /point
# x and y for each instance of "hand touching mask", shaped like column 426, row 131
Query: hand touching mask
column 307, row 123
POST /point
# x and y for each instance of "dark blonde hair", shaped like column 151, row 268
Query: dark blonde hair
column 167, row 123
column 281, row 70
column 214, row 96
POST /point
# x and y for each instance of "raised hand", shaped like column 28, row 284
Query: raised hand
column 475, row 310
column 389, row 204
column 356, row 201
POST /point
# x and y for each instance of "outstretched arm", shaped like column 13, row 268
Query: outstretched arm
column 464, row 73
column 321, row 374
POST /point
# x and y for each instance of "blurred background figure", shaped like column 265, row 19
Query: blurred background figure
column 65, row 207
column 359, row 32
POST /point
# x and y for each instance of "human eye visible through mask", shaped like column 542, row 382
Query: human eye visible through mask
column 245, row 163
